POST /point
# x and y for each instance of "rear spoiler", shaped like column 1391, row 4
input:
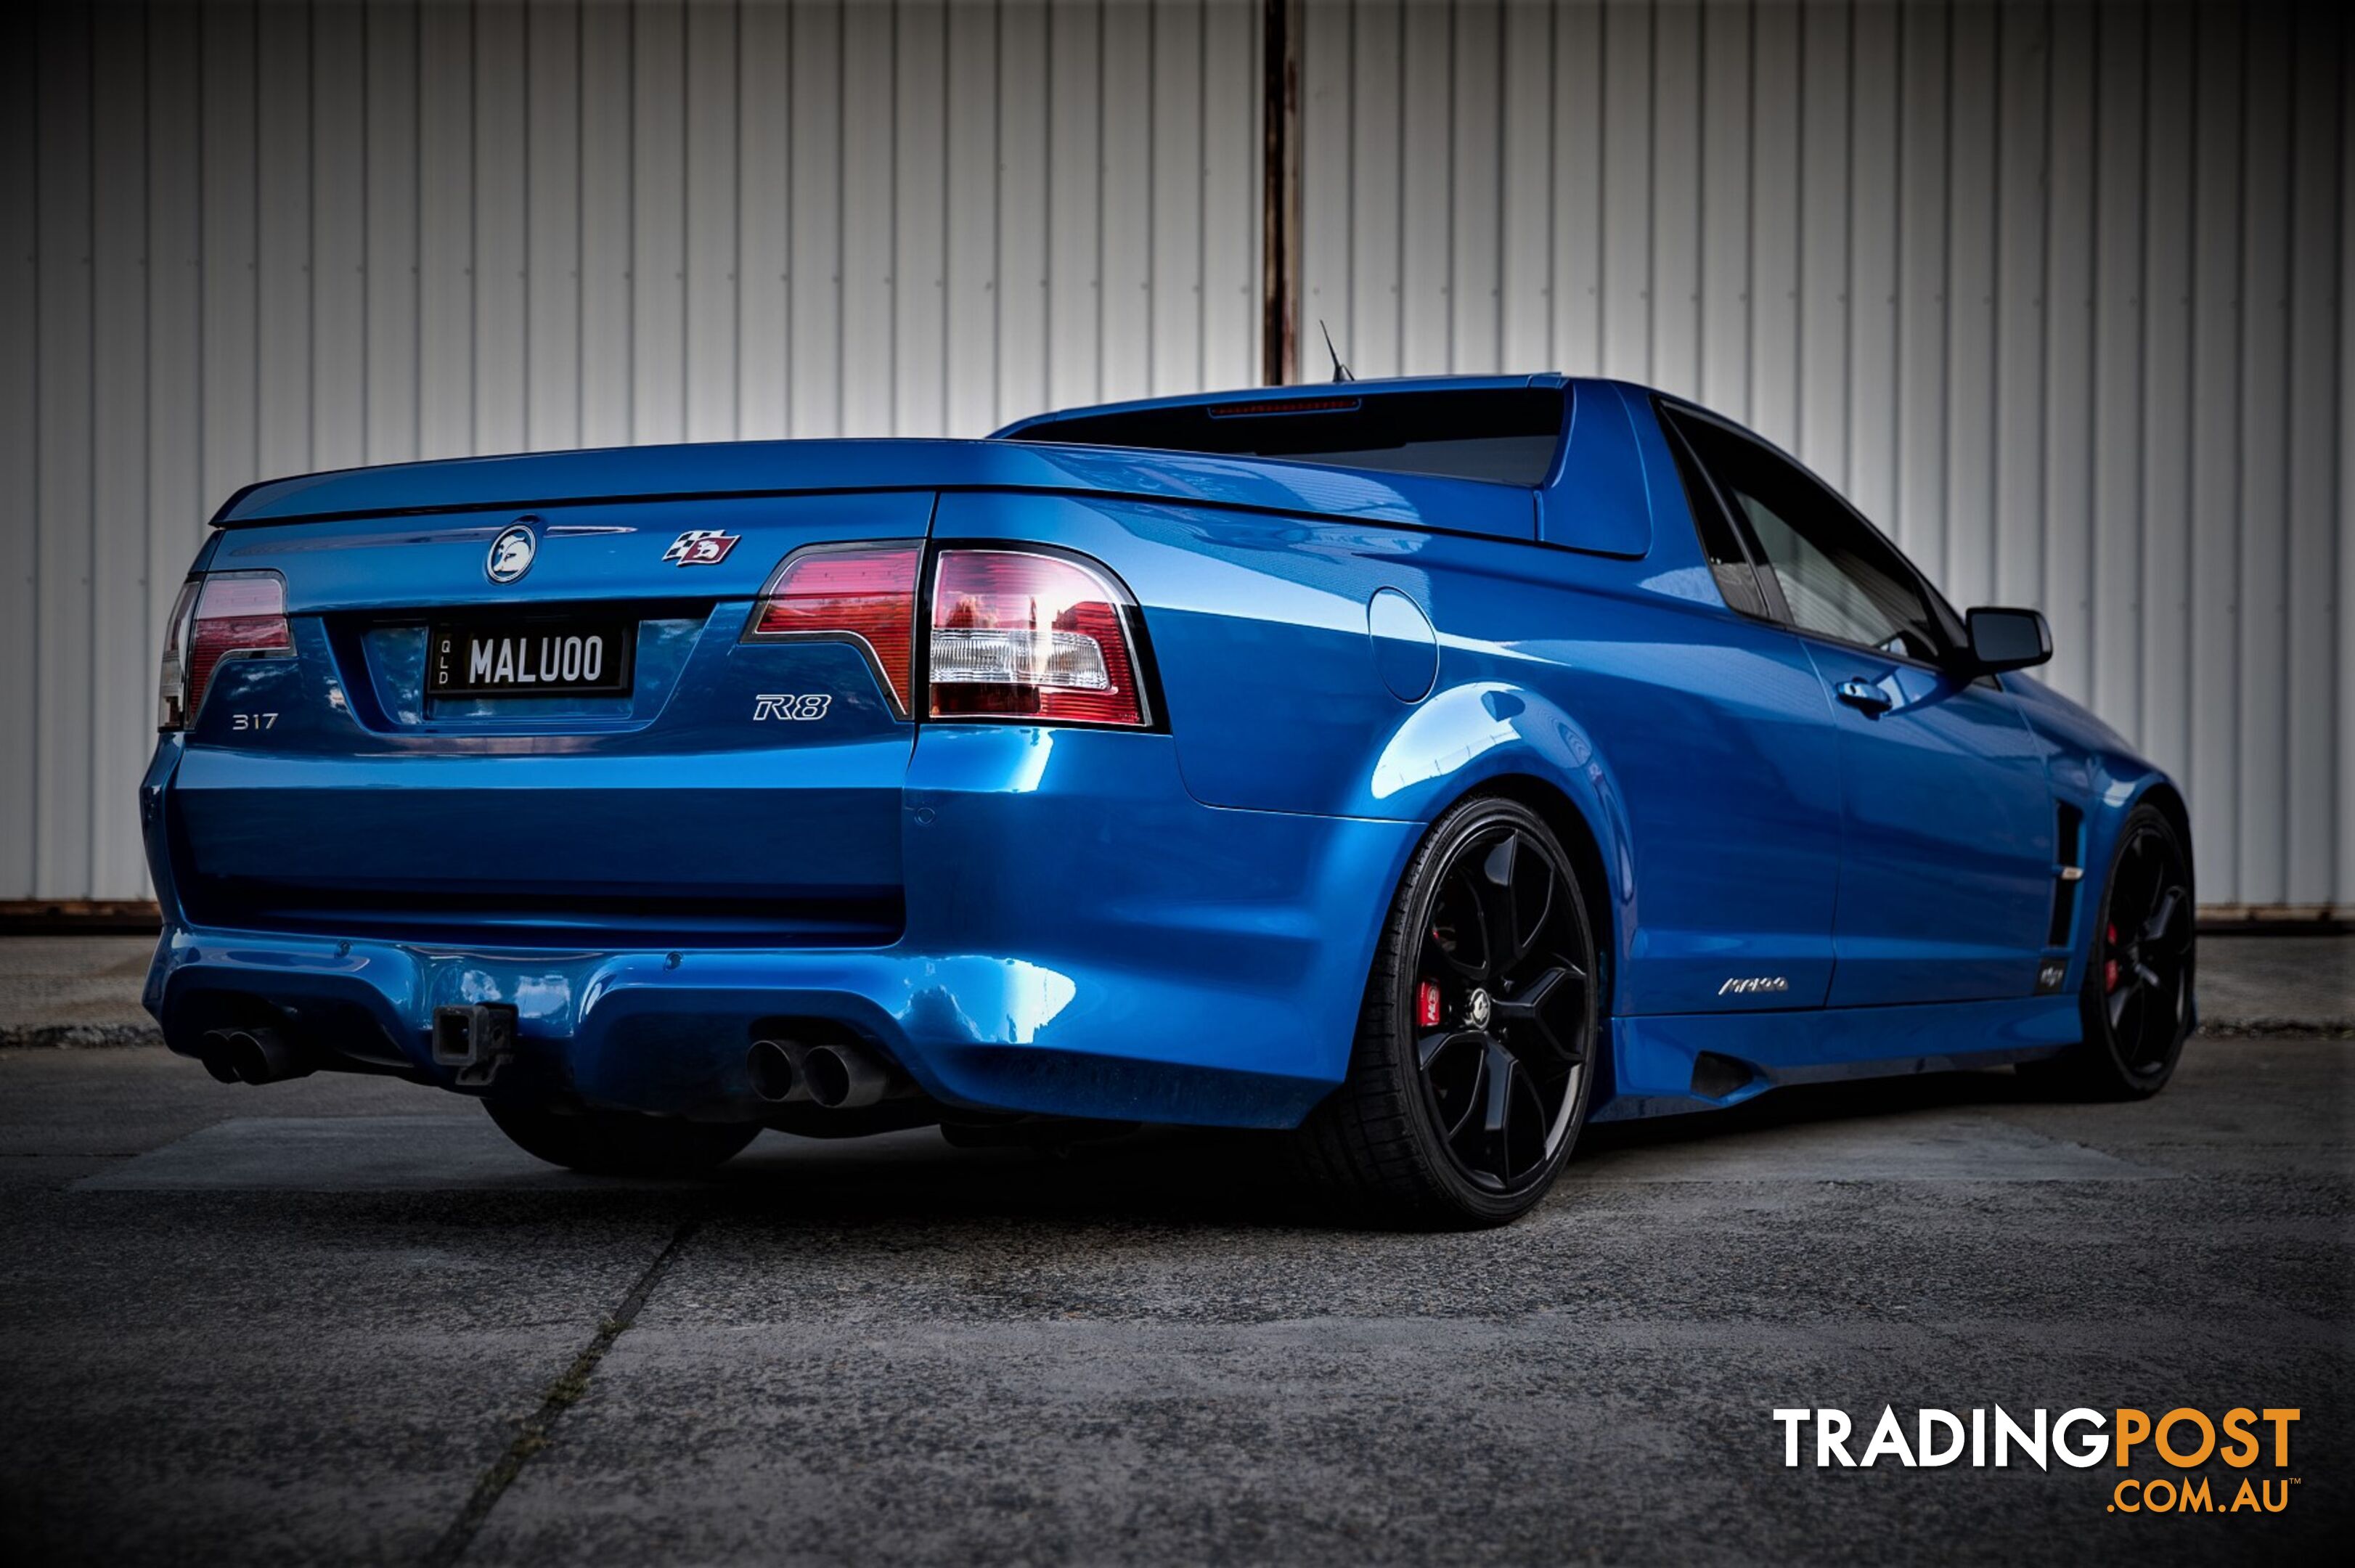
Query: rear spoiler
column 750, row 470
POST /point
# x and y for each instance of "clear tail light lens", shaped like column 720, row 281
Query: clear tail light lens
column 862, row 593
column 1021, row 635
column 172, row 679
column 229, row 614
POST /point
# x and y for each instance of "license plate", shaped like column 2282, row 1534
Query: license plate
column 567, row 656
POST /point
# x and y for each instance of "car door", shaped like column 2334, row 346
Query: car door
column 1948, row 831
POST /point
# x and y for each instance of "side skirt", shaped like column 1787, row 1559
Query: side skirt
column 1663, row 1065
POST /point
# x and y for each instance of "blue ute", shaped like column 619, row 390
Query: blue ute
column 1427, row 766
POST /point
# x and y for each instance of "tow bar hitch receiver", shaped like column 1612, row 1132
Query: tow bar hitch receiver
column 476, row 1040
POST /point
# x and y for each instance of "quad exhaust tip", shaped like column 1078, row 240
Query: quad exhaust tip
column 775, row 1080
column 250, row 1056
column 842, row 1078
column 831, row 1076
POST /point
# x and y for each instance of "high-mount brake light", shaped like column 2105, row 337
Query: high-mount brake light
column 1018, row 634
column 861, row 594
column 1276, row 406
column 229, row 614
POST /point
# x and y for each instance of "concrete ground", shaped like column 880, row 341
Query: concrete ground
column 340, row 1319
column 2255, row 983
column 74, row 990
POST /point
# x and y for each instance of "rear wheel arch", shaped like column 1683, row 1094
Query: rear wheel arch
column 1490, row 739
column 1388, row 1142
column 1596, row 887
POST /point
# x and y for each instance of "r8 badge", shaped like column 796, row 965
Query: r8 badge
column 786, row 705
column 701, row 546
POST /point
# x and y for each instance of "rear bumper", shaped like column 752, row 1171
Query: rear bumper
column 1083, row 938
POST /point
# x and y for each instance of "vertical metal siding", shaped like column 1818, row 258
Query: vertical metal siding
column 65, row 616
column 2344, row 664
column 20, row 399
column 114, row 585
column 244, row 239
column 2052, row 289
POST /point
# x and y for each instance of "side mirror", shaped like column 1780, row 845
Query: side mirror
column 2008, row 639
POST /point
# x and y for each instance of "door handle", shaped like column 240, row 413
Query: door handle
column 1866, row 698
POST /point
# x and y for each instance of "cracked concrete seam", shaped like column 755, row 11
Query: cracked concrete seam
column 568, row 1389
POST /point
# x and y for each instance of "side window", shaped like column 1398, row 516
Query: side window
column 1836, row 577
column 1719, row 543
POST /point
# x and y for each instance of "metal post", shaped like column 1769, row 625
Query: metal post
column 1280, row 193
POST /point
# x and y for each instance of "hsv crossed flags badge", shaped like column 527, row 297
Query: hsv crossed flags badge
column 701, row 546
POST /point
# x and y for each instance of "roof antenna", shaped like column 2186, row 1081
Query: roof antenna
column 1341, row 371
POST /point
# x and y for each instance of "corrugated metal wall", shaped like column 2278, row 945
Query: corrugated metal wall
column 246, row 240
column 2052, row 292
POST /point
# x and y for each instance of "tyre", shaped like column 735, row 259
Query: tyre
column 1471, row 1070
column 620, row 1143
column 2139, row 950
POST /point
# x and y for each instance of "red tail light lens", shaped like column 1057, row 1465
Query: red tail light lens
column 862, row 593
column 1016, row 633
column 227, row 615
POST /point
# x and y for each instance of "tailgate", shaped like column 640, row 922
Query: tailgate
column 676, row 782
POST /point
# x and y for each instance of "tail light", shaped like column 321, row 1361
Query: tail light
column 230, row 614
column 863, row 593
column 1020, row 633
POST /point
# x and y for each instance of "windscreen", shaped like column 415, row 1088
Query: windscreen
column 1505, row 436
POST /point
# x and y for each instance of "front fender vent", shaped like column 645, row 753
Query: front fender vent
column 2068, row 873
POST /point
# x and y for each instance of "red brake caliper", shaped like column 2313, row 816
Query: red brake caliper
column 2110, row 965
column 1426, row 1004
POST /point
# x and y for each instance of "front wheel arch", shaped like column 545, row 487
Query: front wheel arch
column 2164, row 799
column 2098, row 1067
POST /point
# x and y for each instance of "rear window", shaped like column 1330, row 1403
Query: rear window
column 1505, row 436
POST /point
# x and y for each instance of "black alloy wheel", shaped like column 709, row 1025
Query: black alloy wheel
column 1473, row 1066
column 1500, row 1036
column 2135, row 1006
column 2144, row 951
